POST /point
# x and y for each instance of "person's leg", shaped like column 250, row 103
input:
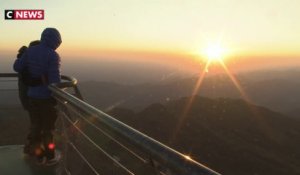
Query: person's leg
column 49, row 119
column 23, row 93
column 32, row 146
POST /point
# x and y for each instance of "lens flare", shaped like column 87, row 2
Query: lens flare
column 51, row 145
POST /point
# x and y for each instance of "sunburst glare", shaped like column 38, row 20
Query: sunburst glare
column 213, row 53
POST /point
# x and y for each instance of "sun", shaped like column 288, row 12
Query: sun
column 214, row 52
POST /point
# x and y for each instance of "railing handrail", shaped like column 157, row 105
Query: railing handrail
column 158, row 151
column 165, row 155
column 70, row 82
column 8, row 75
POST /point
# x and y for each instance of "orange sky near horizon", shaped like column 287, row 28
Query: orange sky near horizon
column 235, row 61
column 191, row 61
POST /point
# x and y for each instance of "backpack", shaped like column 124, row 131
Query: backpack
column 30, row 81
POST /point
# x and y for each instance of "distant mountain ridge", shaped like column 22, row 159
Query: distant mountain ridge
column 277, row 91
column 224, row 133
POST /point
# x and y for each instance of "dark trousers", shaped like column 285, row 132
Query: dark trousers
column 42, row 120
column 23, row 92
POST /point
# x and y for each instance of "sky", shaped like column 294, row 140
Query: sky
column 254, row 31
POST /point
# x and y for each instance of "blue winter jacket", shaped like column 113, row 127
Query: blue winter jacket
column 42, row 61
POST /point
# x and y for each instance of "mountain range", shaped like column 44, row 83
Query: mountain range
column 229, row 135
column 277, row 90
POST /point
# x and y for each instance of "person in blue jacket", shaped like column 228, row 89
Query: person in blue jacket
column 23, row 88
column 42, row 63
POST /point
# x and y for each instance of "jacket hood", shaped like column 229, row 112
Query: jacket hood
column 51, row 37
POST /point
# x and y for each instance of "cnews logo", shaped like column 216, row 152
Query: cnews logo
column 24, row 14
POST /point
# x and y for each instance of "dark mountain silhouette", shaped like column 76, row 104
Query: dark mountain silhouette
column 230, row 136
column 277, row 90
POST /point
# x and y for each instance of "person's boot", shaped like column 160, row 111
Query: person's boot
column 52, row 157
column 28, row 149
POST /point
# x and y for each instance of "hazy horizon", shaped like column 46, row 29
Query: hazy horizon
column 134, row 71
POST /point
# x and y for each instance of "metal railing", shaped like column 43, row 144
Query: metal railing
column 105, row 145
